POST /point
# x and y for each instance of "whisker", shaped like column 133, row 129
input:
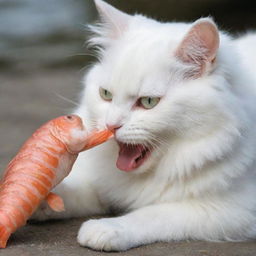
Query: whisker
column 66, row 99
column 88, row 66
column 147, row 139
column 80, row 54
column 156, row 144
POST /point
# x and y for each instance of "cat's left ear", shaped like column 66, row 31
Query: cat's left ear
column 114, row 20
column 199, row 47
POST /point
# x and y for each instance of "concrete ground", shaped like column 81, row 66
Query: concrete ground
column 26, row 101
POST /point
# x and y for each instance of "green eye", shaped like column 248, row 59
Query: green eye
column 105, row 94
column 148, row 102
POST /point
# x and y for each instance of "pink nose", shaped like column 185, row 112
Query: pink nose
column 113, row 127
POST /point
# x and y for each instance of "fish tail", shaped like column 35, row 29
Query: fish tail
column 4, row 236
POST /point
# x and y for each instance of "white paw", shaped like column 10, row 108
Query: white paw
column 104, row 235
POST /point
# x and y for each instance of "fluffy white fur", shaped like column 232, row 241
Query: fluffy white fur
column 199, row 182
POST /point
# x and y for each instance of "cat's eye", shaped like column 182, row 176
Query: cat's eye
column 149, row 102
column 105, row 94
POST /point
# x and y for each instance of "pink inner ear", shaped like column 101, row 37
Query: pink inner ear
column 200, row 45
column 209, row 36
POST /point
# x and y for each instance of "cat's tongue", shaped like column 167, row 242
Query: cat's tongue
column 130, row 157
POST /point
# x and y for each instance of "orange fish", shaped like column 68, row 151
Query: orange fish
column 44, row 160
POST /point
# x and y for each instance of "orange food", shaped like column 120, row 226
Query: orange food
column 44, row 160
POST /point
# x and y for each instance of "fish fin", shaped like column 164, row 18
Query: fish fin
column 55, row 202
column 4, row 236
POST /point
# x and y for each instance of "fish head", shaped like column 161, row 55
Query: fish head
column 69, row 130
column 72, row 133
column 66, row 124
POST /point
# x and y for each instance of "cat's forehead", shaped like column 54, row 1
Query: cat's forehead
column 133, row 81
column 140, row 62
column 135, row 72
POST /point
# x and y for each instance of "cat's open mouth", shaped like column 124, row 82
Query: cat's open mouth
column 131, row 156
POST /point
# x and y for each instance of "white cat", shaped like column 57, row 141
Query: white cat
column 182, row 164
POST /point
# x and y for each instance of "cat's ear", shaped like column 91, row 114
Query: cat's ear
column 199, row 47
column 112, row 19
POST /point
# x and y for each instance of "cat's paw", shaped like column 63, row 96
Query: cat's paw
column 104, row 235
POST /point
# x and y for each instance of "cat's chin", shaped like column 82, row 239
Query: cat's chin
column 132, row 156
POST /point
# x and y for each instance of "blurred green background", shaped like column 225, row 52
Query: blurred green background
column 51, row 33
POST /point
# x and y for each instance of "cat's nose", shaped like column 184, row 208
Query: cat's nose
column 113, row 127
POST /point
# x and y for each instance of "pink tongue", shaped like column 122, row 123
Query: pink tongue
column 127, row 156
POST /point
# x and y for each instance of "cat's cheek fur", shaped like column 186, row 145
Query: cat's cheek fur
column 95, row 108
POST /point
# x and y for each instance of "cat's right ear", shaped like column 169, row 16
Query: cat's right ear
column 199, row 47
column 114, row 21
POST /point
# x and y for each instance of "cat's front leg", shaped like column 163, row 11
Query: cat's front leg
column 143, row 226
column 166, row 222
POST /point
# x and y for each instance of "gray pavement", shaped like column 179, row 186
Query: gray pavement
column 26, row 101
column 58, row 238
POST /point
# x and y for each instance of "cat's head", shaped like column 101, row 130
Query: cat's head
column 155, row 83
